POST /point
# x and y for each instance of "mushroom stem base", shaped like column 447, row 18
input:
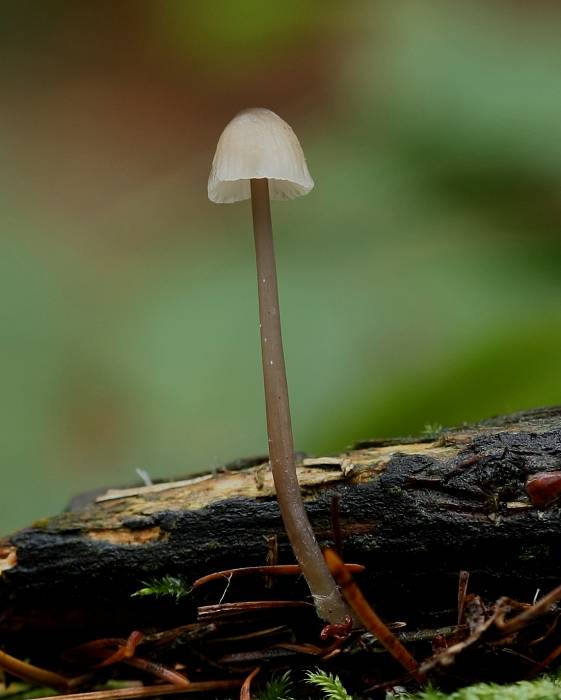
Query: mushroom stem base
column 329, row 603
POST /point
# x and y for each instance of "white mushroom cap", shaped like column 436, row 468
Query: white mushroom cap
column 257, row 143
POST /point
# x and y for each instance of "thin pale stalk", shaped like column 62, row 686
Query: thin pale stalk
column 325, row 593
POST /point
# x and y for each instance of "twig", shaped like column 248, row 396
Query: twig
column 462, row 590
column 528, row 615
column 206, row 612
column 114, row 494
column 245, row 693
column 125, row 651
column 369, row 618
column 278, row 570
column 29, row 672
column 539, row 667
column 160, row 671
column 149, row 691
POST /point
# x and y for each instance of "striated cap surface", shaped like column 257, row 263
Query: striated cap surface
column 257, row 143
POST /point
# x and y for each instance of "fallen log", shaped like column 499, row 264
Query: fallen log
column 415, row 512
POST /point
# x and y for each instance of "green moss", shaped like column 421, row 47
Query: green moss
column 328, row 684
column 277, row 688
column 432, row 430
column 41, row 524
column 165, row 586
column 546, row 688
column 331, row 688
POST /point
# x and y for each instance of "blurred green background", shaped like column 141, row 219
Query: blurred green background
column 420, row 281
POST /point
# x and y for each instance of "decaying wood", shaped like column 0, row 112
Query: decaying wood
column 416, row 512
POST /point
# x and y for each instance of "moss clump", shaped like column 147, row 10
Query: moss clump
column 165, row 586
column 41, row 524
column 545, row 688
column 331, row 688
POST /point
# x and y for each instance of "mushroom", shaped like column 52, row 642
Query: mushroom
column 259, row 157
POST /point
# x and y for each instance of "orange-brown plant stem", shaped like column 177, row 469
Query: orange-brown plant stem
column 160, row 671
column 542, row 665
column 531, row 613
column 369, row 618
column 148, row 691
column 276, row 570
column 327, row 599
column 245, row 691
column 462, row 590
column 28, row 672
column 126, row 649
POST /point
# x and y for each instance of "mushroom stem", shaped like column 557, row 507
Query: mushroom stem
column 327, row 599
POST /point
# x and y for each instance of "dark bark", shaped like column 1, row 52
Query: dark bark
column 414, row 511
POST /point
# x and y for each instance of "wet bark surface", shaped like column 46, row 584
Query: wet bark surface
column 414, row 511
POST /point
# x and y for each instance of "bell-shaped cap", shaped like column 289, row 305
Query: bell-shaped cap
column 257, row 143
